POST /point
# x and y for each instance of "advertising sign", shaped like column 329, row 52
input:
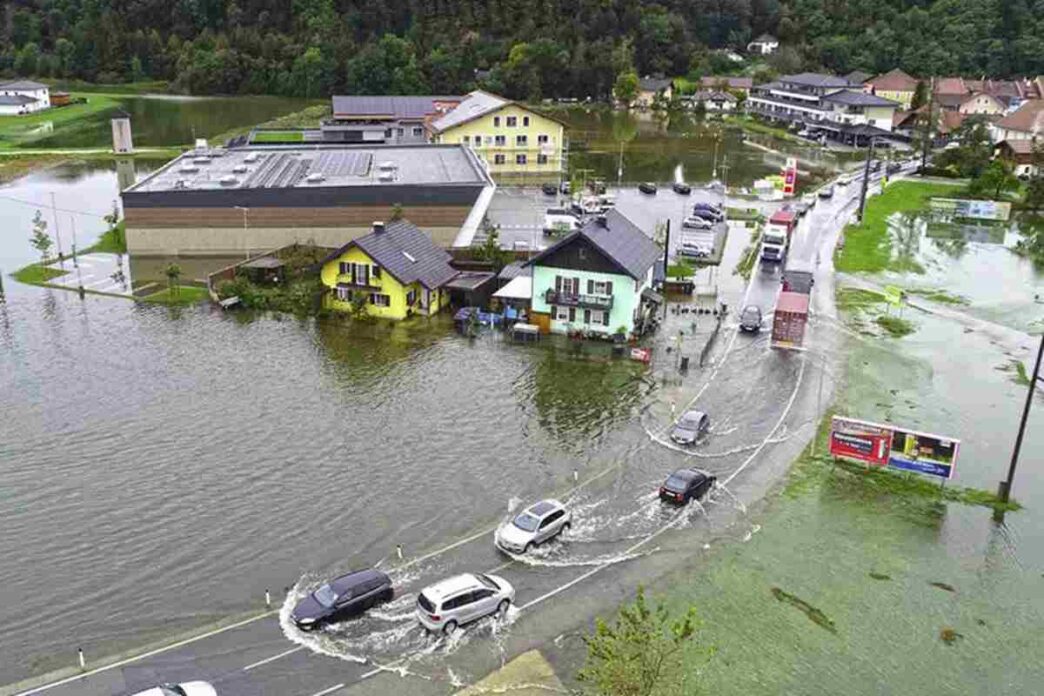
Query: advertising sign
column 860, row 441
column 972, row 209
column 790, row 177
column 923, row 453
column 893, row 295
column 875, row 444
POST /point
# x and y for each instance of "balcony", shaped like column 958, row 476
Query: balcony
column 359, row 283
column 564, row 299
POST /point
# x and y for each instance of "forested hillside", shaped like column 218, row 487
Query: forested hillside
column 523, row 48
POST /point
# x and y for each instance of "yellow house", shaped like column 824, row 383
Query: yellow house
column 895, row 85
column 393, row 272
column 513, row 140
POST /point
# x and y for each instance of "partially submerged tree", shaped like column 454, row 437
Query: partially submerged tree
column 40, row 240
column 641, row 654
column 173, row 273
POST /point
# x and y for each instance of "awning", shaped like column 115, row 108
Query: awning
column 652, row 296
column 520, row 288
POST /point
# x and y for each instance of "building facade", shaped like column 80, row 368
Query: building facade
column 512, row 140
column 651, row 88
column 395, row 120
column 1026, row 123
column 23, row 97
column 598, row 280
column 895, row 86
column 393, row 272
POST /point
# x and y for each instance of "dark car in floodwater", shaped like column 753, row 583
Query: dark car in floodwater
column 682, row 188
column 549, row 189
column 343, row 597
column 690, row 427
column 647, row 187
column 750, row 319
column 685, row 485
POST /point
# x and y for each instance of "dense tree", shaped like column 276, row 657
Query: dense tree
column 526, row 48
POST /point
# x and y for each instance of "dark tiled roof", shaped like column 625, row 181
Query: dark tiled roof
column 858, row 99
column 514, row 270
column 406, row 252
column 815, row 80
column 731, row 81
column 409, row 107
column 654, row 84
column 622, row 242
column 1028, row 118
column 858, row 77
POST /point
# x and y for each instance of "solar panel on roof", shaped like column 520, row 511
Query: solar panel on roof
column 341, row 164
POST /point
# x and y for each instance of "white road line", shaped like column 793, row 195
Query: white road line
column 291, row 651
column 502, row 566
column 151, row 653
column 328, row 691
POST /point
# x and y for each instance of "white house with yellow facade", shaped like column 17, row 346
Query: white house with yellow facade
column 513, row 140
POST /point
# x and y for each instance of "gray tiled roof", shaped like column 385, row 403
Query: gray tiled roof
column 815, row 80
column 858, row 99
column 407, row 253
column 475, row 105
column 654, row 84
column 408, row 107
column 622, row 242
column 22, row 84
column 16, row 99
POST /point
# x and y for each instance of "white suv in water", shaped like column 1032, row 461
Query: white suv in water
column 449, row 604
column 536, row 524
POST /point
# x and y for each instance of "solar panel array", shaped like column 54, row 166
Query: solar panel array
column 340, row 164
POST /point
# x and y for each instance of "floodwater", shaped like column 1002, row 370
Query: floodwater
column 644, row 146
column 162, row 120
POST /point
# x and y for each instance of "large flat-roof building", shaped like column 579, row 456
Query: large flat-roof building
column 233, row 201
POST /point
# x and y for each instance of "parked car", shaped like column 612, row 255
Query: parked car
column 893, row 167
column 688, row 429
column 685, row 485
column 696, row 222
column 564, row 188
column 459, row 600
column 750, row 319
column 712, row 215
column 802, row 208
column 696, row 251
column 707, row 206
column 827, row 192
column 342, row 597
column 534, row 525
column 647, row 187
column 192, row 688
column 549, row 189
column 682, row 188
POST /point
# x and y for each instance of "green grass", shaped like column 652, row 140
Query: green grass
column 856, row 299
column 183, row 295
column 35, row 274
column 743, row 213
column 144, row 87
column 111, row 242
column 896, row 327
column 868, row 247
column 745, row 266
column 278, row 137
column 940, row 296
column 17, row 130
column 679, row 270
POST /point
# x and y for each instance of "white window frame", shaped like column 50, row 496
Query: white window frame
column 601, row 287
column 561, row 313
column 543, row 139
column 541, row 159
column 499, row 159
column 511, row 121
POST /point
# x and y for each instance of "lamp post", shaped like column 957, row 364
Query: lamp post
column 866, row 177
column 246, row 230
column 1004, row 490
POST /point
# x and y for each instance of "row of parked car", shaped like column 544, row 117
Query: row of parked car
column 451, row 603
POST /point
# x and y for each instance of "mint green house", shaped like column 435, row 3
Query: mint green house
column 597, row 280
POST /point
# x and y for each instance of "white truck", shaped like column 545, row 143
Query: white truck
column 775, row 240
column 560, row 221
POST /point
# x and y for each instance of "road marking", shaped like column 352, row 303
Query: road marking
column 151, row 653
column 502, row 566
column 291, row 651
column 328, row 691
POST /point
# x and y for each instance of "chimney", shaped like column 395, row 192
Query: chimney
column 378, row 226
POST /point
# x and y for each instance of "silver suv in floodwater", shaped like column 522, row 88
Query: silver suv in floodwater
column 447, row 605
column 534, row 525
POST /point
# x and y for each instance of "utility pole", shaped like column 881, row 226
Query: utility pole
column 928, row 123
column 57, row 234
column 1004, row 490
column 866, row 178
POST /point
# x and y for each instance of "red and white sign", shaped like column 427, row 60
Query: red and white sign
column 790, row 177
column 861, row 441
column 641, row 354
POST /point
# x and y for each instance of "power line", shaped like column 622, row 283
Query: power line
column 44, row 205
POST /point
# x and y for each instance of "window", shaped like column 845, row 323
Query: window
column 467, row 139
column 418, row 131
column 379, row 300
column 484, row 593
column 541, row 159
column 498, row 159
column 496, row 122
column 344, row 294
column 400, row 132
column 344, row 268
column 387, row 132
column 560, row 313
column 512, row 121
column 520, row 159
column 521, row 140
column 567, row 286
column 376, row 271
column 587, row 316
column 525, row 121
column 542, row 139
column 599, row 287
column 411, row 297
column 501, row 140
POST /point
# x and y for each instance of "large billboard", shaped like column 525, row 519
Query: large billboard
column 876, row 444
column 972, row 209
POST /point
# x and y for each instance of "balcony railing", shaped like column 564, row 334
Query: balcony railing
column 564, row 299
column 346, row 281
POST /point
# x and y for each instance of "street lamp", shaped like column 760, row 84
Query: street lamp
column 246, row 230
column 1004, row 491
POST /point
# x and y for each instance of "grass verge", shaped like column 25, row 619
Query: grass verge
column 868, row 247
column 747, row 261
column 181, row 295
column 284, row 136
column 743, row 214
column 895, row 326
column 19, row 130
column 36, row 274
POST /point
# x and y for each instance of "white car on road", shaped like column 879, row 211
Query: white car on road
column 534, row 525
column 447, row 605
column 192, row 688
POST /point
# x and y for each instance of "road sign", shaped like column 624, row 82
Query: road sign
column 877, row 444
column 790, row 177
column 893, row 295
